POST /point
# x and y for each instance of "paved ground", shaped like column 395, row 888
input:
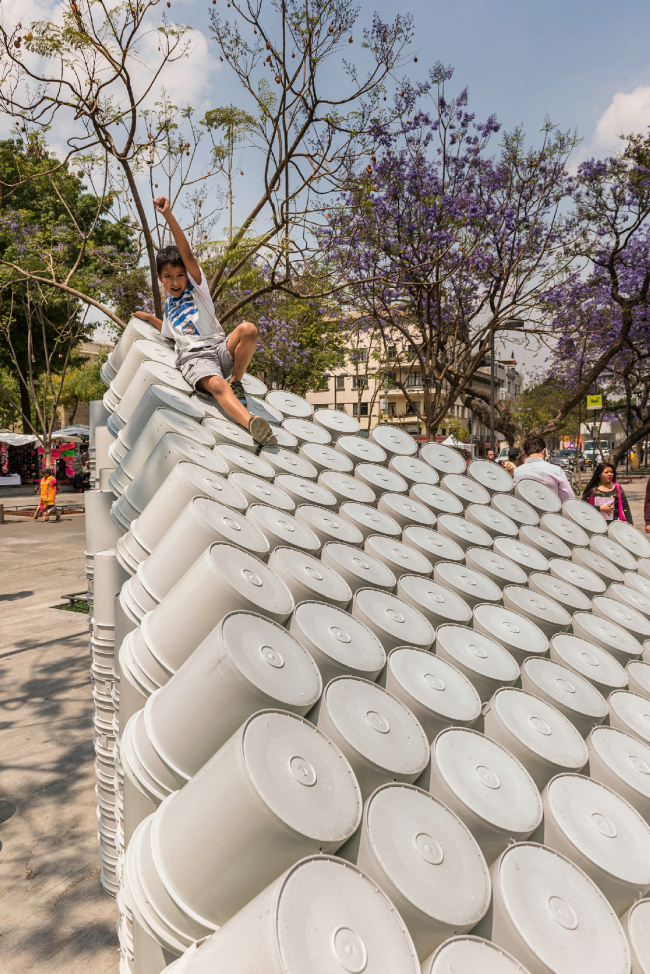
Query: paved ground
column 55, row 915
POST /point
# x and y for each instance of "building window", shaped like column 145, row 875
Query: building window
column 359, row 382
column 356, row 411
column 414, row 379
column 340, row 383
column 340, row 407
column 391, row 351
column 359, row 355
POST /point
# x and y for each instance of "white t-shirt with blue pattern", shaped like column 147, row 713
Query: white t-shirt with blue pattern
column 191, row 320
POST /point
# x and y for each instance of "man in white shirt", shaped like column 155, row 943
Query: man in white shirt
column 535, row 467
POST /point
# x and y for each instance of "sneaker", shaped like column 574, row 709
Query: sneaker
column 45, row 517
column 238, row 388
column 260, row 429
column 58, row 517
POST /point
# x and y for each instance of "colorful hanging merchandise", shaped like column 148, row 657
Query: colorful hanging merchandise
column 4, row 459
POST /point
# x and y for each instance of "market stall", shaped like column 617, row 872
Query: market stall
column 18, row 459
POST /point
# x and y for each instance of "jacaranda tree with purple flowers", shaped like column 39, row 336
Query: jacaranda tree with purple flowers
column 443, row 243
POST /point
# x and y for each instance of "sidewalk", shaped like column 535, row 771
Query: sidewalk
column 56, row 917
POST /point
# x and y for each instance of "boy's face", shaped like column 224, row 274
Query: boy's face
column 173, row 279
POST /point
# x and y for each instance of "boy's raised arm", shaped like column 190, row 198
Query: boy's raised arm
column 191, row 264
column 145, row 316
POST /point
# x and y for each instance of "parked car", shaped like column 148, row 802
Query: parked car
column 595, row 454
column 567, row 458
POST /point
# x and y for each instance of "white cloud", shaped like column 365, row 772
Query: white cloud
column 628, row 112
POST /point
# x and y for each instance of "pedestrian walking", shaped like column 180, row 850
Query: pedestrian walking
column 536, row 467
column 47, row 504
column 607, row 495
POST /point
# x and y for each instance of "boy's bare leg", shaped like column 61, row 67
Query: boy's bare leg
column 258, row 427
column 242, row 342
column 219, row 387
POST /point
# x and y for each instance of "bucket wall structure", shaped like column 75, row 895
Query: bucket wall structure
column 349, row 510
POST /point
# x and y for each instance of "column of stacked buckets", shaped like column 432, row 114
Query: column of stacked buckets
column 358, row 707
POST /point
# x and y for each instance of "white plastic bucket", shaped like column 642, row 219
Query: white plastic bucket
column 258, row 491
column 622, row 762
column 596, row 563
column 203, row 522
column 486, row 786
column 469, row 955
column 325, row 458
column 434, row 546
column 434, row 690
column 376, row 732
column 485, row 663
column 412, row 470
column 302, row 491
column 395, row 622
column 358, row 568
column 463, row 532
column 496, row 524
column 520, row 636
column 473, row 587
column 619, row 642
column 307, row 578
column 359, row 449
column 467, row 491
column 221, row 580
column 322, row 915
column 392, row 439
column 328, row 526
column 380, row 479
column 279, row 785
column 438, row 604
column 336, row 423
column 400, row 558
column 282, row 529
column 563, row 593
column 549, row 615
column 184, row 482
column 543, row 739
column 598, row 830
column 425, row 860
column 502, row 571
column 590, row 661
column 551, row 916
column 247, row 663
column 522, row 554
column 437, row 499
column 338, row 643
column 570, row 693
column 345, row 488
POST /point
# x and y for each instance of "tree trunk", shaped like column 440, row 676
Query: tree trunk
column 25, row 400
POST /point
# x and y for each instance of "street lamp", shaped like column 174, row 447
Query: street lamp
column 512, row 324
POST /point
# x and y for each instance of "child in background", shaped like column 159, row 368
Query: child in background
column 204, row 356
column 48, row 497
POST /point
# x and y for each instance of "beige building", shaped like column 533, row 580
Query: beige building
column 372, row 399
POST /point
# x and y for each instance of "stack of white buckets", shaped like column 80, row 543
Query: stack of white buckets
column 352, row 703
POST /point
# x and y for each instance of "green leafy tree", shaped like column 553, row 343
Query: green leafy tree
column 50, row 228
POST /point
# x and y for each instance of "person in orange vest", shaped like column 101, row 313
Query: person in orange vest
column 48, row 497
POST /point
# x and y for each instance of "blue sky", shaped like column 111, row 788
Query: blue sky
column 584, row 64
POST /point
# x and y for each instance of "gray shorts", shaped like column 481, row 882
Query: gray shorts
column 206, row 361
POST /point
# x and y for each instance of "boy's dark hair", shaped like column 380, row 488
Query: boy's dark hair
column 169, row 255
column 47, row 472
column 534, row 444
column 513, row 454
